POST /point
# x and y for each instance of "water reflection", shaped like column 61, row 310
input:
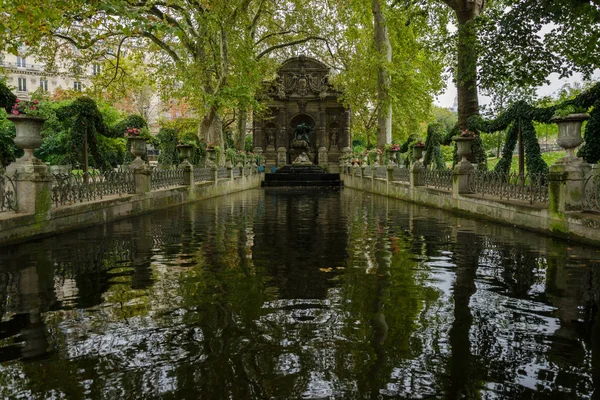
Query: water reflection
column 299, row 294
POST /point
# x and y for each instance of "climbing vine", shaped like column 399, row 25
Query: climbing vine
column 433, row 151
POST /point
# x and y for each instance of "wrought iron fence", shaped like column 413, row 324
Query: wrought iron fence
column 401, row 175
column 512, row 186
column 368, row 171
column 69, row 188
column 381, row 172
column 591, row 200
column 237, row 172
column 203, row 174
column 437, row 178
column 164, row 178
column 8, row 192
column 223, row 173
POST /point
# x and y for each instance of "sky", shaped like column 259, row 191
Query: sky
column 446, row 99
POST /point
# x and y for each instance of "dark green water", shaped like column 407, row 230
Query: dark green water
column 299, row 294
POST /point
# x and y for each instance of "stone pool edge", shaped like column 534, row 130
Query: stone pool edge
column 20, row 227
column 578, row 226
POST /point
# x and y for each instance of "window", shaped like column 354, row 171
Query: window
column 22, row 85
column 77, row 86
column 96, row 69
column 21, row 62
column 44, row 85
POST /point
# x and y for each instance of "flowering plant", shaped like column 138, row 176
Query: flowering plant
column 210, row 146
column 419, row 143
column 132, row 132
column 395, row 147
column 24, row 107
column 467, row 133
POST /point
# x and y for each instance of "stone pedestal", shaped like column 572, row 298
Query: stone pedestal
column 188, row 173
column 566, row 185
column 141, row 177
column 460, row 177
column 281, row 157
column 323, row 158
column 33, row 180
column 270, row 156
column 415, row 173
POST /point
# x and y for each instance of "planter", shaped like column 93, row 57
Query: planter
column 185, row 151
column 138, row 149
column 569, row 132
column 418, row 152
column 28, row 135
column 394, row 156
column 464, row 147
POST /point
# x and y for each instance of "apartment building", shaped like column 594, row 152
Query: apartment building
column 25, row 75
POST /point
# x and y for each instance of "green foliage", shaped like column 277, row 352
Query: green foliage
column 590, row 151
column 167, row 143
column 433, row 153
column 85, row 121
column 8, row 150
column 132, row 121
column 7, row 98
column 248, row 143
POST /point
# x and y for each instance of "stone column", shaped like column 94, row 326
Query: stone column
column 258, row 139
column 566, row 185
column 282, row 136
column 323, row 159
column 346, row 141
column 322, row 135
column 415, row 173
column 188, row 173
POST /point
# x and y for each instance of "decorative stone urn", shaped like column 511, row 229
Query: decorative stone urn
column 185, row 151
column 28, row 136
column 393, row 156
column 464, row 147
column 418, row 151
column 138, row 149
column 569, row 134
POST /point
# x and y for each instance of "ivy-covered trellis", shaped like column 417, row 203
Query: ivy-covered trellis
column 520, row 116
column 85, row 122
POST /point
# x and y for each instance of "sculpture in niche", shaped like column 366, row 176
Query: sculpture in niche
column 280, row 86
column 301, row 133
column 334, row 138
column 302, row 106
column 270, row 136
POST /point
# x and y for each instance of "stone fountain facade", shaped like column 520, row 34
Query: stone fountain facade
column 301, row 96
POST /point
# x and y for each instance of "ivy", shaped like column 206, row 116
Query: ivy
column 167, row 143
column 433, row 151
column 7, row 98
column 520, row 117
column 85, row 120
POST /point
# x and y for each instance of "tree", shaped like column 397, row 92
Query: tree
column 384, row 51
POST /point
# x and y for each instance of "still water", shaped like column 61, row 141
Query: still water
column 290, row 294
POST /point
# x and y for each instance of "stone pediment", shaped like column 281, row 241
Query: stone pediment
column 301, row 76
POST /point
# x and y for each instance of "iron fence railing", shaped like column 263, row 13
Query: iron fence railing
column 70, row 188
column 203, row 174
column 401, row 174
column 591, row 191
column 8, row 192
column 368, row 171
column 164, row 178
column 237, row 172
column 511, row 186
column 437, row 178
column 223, row 173
column 381, row 172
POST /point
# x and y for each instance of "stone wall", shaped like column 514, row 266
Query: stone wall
column 16, row 227
column 579, row 226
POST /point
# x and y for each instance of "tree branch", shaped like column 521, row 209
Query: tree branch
column 162, row 45
column 282, row 45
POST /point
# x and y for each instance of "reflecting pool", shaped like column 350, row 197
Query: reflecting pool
column 290, row 294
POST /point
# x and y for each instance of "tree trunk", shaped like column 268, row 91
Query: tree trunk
column 466, row 71
column 240, row 140
column 382, row 43
column 211, row 128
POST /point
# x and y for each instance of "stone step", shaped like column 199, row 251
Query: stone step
column 302, row 183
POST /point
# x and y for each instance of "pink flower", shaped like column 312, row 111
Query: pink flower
column 15, row 112
column 35, row 101
column 17, row 101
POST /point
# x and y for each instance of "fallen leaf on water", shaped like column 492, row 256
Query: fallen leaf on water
column 325, row 269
